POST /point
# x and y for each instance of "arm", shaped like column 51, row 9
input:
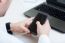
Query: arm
column 43, row 32
column 19, row 27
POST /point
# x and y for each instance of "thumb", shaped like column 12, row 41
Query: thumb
column 38, row 24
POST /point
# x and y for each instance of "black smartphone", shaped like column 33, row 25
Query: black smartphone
column 33, row 26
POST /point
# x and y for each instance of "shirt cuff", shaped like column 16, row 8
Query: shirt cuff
column 44, row 39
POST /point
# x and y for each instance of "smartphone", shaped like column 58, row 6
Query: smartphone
column 33, row 26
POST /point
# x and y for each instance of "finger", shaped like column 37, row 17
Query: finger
column 46, row 23
column 26, row 30
column 38, row 24
column 29, row 21
column 29, row 34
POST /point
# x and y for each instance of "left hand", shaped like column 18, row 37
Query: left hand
column 43, row 29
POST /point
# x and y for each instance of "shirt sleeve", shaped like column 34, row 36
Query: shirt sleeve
column 44, row 39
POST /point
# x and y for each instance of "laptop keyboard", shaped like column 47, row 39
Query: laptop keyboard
column 51, row 11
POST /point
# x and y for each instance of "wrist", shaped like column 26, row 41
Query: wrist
column 12, row 26
column 8, row 28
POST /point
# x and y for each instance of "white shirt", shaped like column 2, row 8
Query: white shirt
column 11, row 16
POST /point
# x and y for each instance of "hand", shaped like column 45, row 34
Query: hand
column 21, row 27
column 43, row 29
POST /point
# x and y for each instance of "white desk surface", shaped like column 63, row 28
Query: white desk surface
column 15, row 14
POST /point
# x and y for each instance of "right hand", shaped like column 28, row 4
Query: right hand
column 43, row 29
column 21, row 26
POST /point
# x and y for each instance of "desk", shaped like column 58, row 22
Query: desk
column 15, row 13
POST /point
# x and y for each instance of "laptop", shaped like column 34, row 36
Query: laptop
column 55, row 10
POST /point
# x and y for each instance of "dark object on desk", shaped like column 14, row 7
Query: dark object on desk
column 33, row 27
column 59, row 3
column 8, row 28
column 55, row 10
